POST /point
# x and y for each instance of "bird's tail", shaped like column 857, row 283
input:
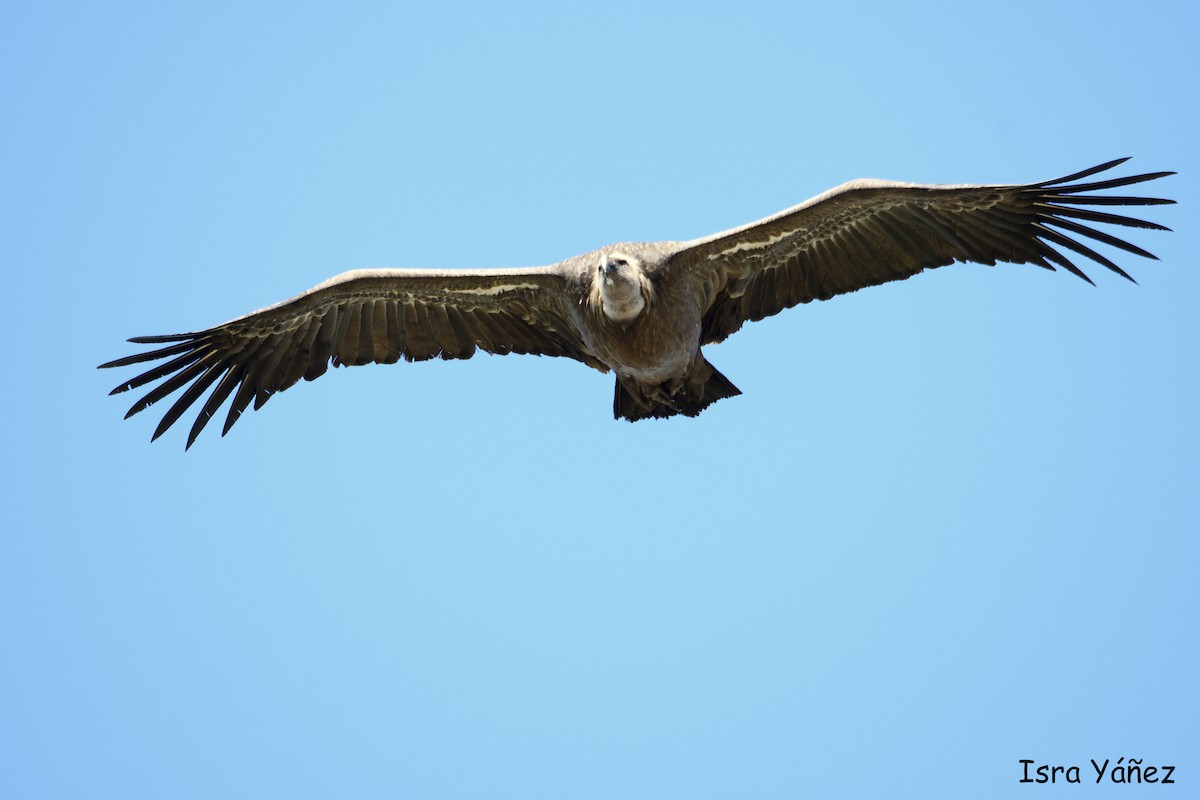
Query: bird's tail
column 696, row 391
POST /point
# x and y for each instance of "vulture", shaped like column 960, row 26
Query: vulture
column 642, row 310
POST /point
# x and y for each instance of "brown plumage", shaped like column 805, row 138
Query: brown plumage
column 642, row 310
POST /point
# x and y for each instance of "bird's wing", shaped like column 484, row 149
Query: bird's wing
column 359, row 317
column 869, row 232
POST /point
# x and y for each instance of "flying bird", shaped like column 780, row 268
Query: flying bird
column 641, row 310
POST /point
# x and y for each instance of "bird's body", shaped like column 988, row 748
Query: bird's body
column 640, row 310
column 661, row 338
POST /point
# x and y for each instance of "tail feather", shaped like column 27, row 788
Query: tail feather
column 696, row 391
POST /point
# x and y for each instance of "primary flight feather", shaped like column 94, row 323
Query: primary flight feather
column 642, row 310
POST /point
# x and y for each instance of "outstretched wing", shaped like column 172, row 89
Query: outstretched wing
column 359, row 317
column 869, row 232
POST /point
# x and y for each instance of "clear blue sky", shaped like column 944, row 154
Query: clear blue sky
column 952, row 522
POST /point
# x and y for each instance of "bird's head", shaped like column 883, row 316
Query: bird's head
column 623, row 286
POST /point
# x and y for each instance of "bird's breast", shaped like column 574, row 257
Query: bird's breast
column 660, row 344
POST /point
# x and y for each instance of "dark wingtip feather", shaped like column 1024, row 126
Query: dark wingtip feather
column 122, row 362
column 1110, row 200
column 1064, row 262
column 1111, row 183
column 1074, row 176
column 136, row 408
column 164, row 339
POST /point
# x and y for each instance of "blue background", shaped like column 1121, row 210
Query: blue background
column 951, row 523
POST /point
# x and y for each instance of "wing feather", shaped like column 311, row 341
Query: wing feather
column 190, row 395
column 265, row 376
column 419, row 343
column 362, row 317
column 448, row 342
column 229, row 382
column 347, row 352
column 322, row 350
column 245, row 393
column 867, row 232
